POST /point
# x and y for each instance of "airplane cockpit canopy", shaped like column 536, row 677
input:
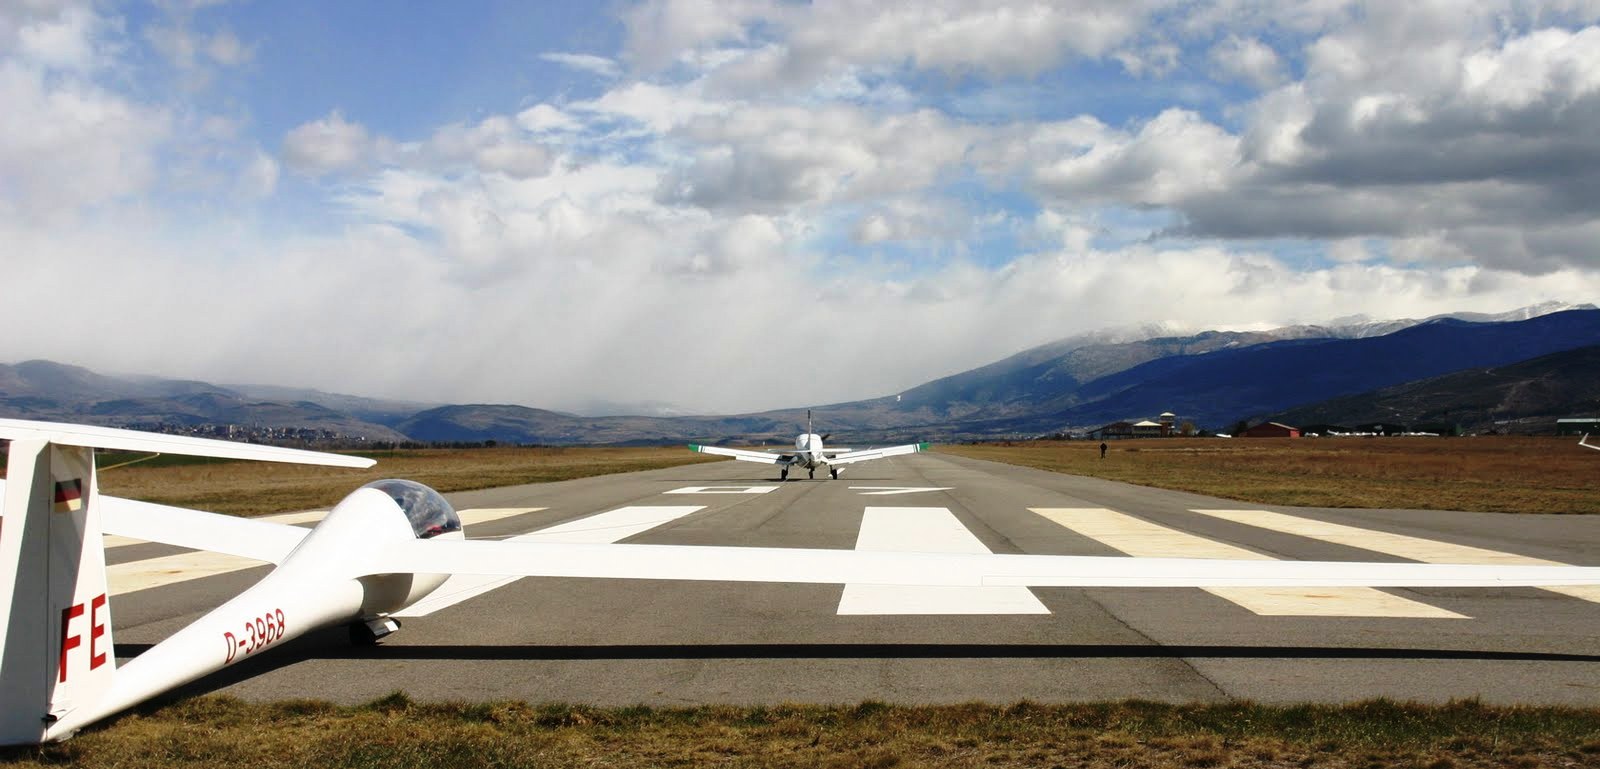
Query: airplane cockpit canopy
column 427, row 511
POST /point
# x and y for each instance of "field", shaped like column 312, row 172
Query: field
column 394, row 732
column 1484, row 474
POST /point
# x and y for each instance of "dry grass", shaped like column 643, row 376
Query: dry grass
column 1488, row 474
column 253, row 488
column 394, row 732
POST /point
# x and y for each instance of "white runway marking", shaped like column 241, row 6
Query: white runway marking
column 182, row 567
column 1399, row 545
column 1142, row 538
column 601, row 529
column 928, row 530
column 722, row 490
column 889, row 491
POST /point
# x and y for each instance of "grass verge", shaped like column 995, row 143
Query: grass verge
column 1504, row 474
column 395, row 732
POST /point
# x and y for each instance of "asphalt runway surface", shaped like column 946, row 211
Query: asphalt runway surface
column 624, row 642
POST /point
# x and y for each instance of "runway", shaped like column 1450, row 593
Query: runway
column 667, row 643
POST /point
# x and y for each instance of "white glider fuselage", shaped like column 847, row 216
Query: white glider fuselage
column 325, row 581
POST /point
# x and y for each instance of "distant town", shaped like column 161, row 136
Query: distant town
column 295, row 437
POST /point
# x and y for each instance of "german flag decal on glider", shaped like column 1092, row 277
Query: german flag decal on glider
column 69, row 496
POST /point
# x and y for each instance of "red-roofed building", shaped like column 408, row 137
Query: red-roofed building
column 1271, row 430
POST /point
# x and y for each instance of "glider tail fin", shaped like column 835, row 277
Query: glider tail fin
column 55, row 641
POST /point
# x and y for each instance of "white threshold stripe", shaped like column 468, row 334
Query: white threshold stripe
column 1398, row 545
column 928, row 530
column 170, row 569
column 723, row 490
column 599, row 529
column 1144, row 539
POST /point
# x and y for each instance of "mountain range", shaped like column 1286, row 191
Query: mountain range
column 1470, row 370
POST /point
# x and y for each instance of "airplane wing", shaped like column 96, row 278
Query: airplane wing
column 199, row 530
column 67, row 434
column 746, row 456
column 196, row 529
column 1584, row 442
column 866, row 454
column 766, row 564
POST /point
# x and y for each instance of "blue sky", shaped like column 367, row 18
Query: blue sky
column 751, row 204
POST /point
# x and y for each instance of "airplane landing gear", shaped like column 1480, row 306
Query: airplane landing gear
column 783, row 475
column 812, row 473
column 367, row 633
column 834, row 471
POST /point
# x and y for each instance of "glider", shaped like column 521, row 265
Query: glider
column 390, row 543
column 809, row 453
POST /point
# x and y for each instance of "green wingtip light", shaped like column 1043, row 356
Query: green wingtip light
column 694, row 447
column 924, row 446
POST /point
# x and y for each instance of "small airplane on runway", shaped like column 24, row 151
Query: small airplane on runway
column 391, row 543
column 809, row 453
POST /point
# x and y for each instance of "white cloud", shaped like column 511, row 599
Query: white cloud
column 226, row 49
column 544, row 118
column 494, row 145
column 67, row 40
column 660, row 31
column 764, row 157
column 260, row 176
column 329, row 145
column 658, row 108
column 1248, row 59
column 66, row 144
column 594, row 65
column 1173, row 158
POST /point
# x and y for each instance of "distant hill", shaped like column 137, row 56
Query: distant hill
column 45, row 390
column 1218, row 388
column 1034, row 390
column 1531, row 394
column 1213, row 379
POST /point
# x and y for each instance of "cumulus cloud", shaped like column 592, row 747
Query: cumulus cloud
column 951, row 36
column 65, row 40
column 1249, row 60
column 1175, row 157
column 661, row 31
column 328, row 145
column 765, row 157
column 494, row 145
column 66, row 143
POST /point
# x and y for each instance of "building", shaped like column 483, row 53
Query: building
column 1578, row 425
column 1271, row 430
column 1143, row 428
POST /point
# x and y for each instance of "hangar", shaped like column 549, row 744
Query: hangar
column 1577, row 425
column 1271, row 430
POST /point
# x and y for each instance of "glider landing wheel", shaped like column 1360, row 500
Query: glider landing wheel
column 367, row 633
